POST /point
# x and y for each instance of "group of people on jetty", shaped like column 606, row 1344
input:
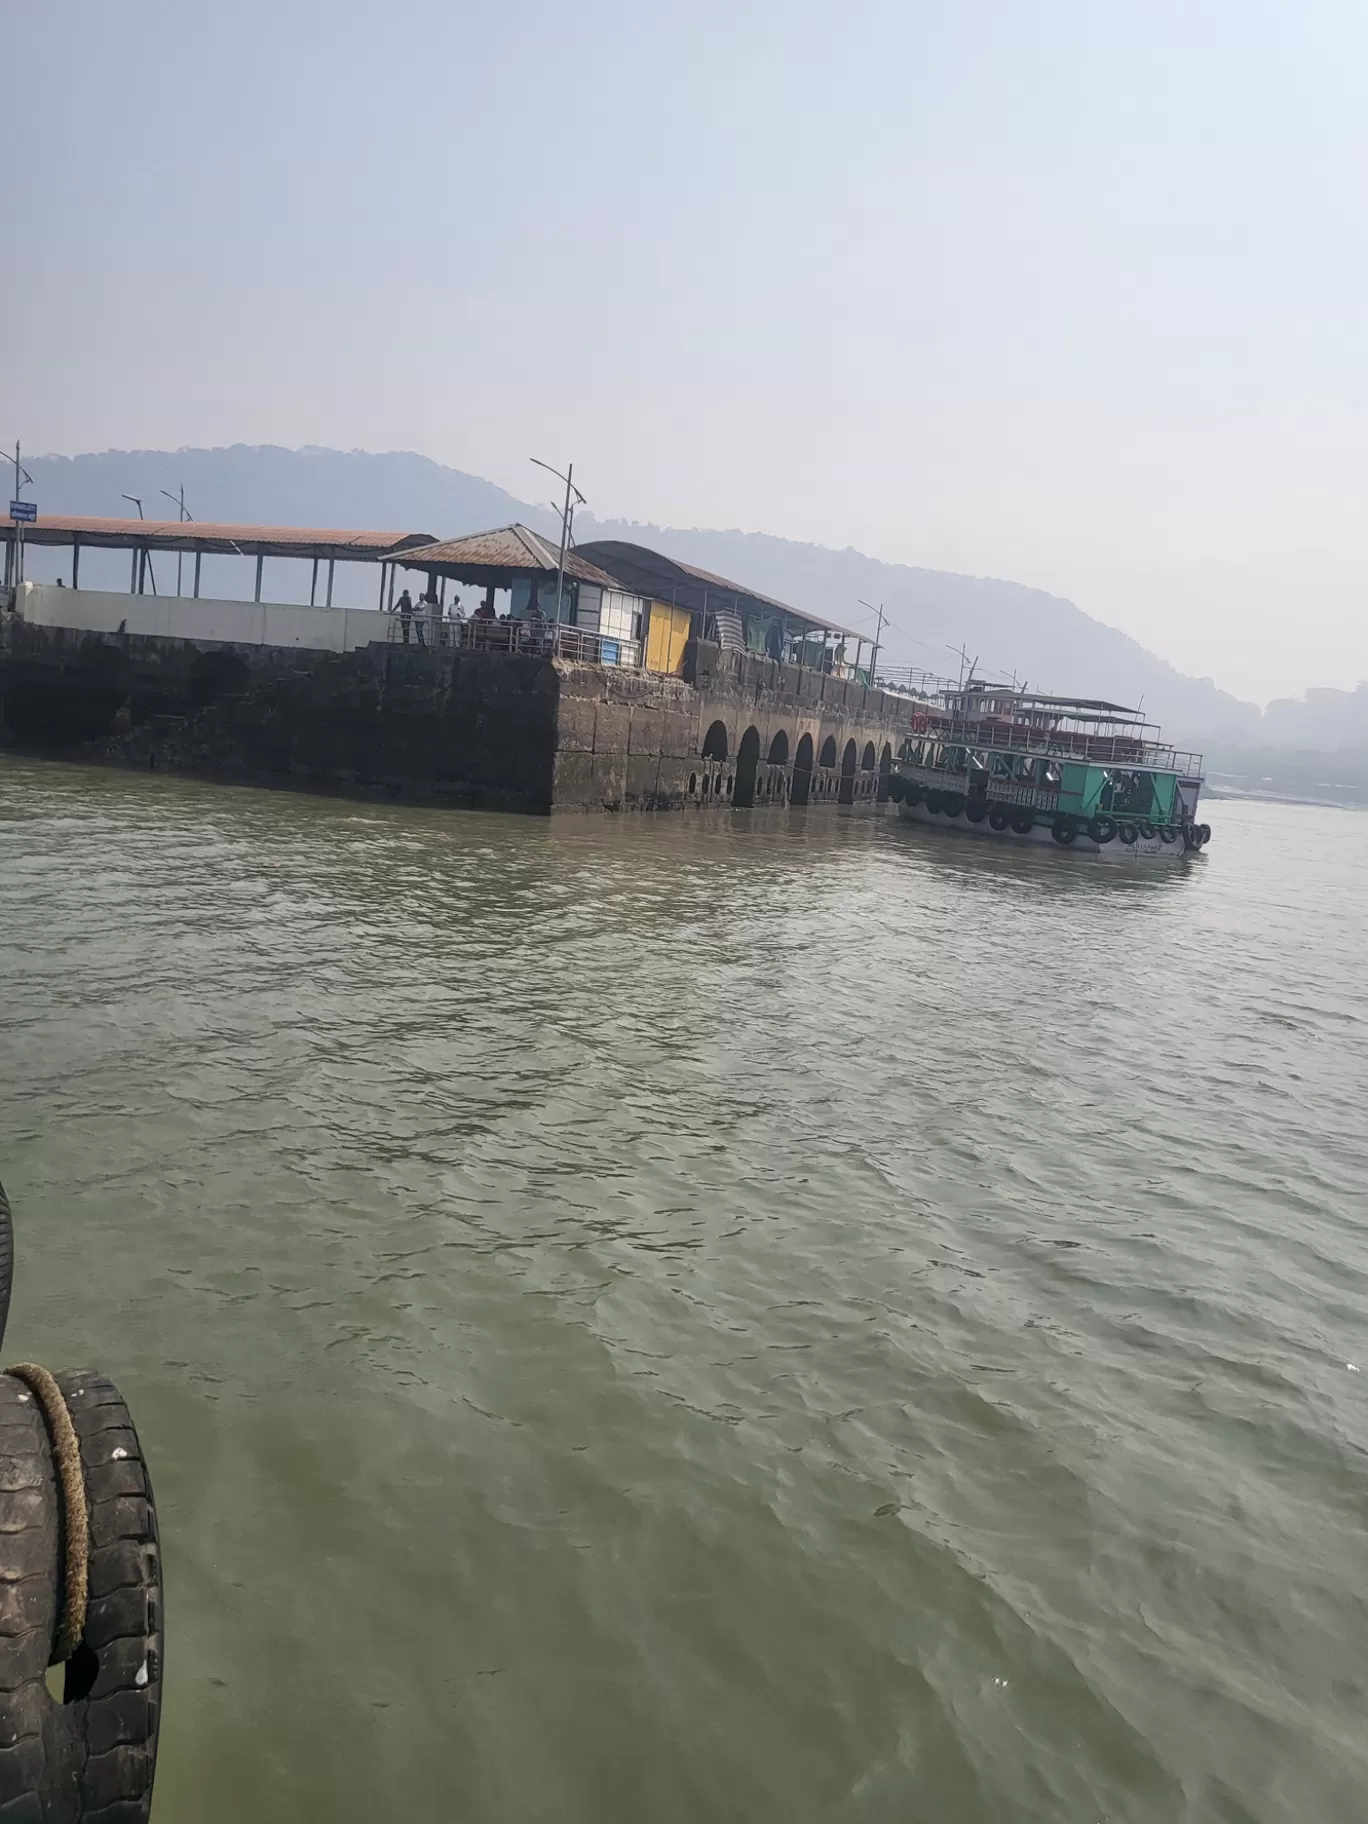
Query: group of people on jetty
column 430, row 625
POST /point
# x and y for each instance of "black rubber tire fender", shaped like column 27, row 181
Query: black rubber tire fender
column 1127, row 832
column 1102, row 829
column 92, row 1757
column 1167, row 833
column 896, row 787
column 1145, row 829
column 6, row 1260
column 1064, row 829
column 998, row 819
column 29, row 1744
column 913, row 794
column 976, row 810
column 934, row 801
column 114, row 1681
column 953, row 804
column 1204, row 831
column 1023, row 822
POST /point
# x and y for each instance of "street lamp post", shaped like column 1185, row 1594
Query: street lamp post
column 145, row 554
column 567, row 517
column 182, row 516
column 878, row 640
column 17, row 559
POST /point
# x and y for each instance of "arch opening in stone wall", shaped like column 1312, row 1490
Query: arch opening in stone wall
column 779, row 749
column 747, row 765
column 885, row 771
column 828, row 754
column 802, row 772
column 847, row 795
column 715, row 742
column 867, row 758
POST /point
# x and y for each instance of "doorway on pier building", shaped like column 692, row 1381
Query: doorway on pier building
column 847, row 795
column 747, row 764
column 802, row 772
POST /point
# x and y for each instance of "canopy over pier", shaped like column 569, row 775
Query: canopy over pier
column 143, row 537
column 589, row 614
column 738, row 617
column 497, row 559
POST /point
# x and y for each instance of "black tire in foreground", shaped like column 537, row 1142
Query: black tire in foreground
column 6, row 1259
column 90, row 1758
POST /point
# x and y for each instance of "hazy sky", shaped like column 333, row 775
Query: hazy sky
column 1068, row 291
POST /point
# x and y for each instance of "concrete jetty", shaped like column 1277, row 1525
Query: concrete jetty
column 629, row 699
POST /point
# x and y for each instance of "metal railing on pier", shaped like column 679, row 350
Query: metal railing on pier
column 908, row 681
column 535, row 639
column 1121, row 750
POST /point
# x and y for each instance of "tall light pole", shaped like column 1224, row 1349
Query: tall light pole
column 182, row 517
column 567, row 515
column 878, row 640
column 147, row 555
column 18, row 563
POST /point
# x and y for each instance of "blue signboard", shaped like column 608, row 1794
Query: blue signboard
column 26, row 510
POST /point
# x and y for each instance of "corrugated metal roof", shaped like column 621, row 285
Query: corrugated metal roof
column 507, row 548
column 200, row 535
column 667, row 579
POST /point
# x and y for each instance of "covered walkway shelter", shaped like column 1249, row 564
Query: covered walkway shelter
column 737, row 617
column 142, row 538
column 579, row 611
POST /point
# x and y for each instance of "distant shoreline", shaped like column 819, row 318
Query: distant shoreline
column 1267, row 795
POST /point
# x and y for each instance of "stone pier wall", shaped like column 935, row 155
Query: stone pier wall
column 630, row 740
column 457, row 727
column 471, row 729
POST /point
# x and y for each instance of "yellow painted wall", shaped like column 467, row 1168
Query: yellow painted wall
column 666, row 638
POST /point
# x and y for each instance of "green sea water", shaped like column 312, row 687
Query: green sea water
column 785, row 1317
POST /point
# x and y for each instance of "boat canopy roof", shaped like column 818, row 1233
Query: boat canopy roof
column 1033, row 702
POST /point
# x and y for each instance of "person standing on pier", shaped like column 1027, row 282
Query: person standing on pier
column 405, row 612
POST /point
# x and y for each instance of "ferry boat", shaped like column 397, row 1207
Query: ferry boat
column 1081, row 775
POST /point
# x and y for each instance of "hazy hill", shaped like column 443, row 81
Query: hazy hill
column 1045, row 640
column 1324, row 719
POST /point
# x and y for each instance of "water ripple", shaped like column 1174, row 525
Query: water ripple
column 699, row 1319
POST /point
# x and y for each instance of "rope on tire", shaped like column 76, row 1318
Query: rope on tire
column 66, row 1454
